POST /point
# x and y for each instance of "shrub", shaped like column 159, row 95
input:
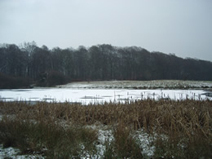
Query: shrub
column 52, row 78
column 124, row 145
column 56, row 78
column 11, row 82
column 183, row 147
column 47, row 138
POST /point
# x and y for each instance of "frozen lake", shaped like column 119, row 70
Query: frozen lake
column 86, row 96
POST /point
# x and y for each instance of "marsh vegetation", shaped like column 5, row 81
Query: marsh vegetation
column 179, row 129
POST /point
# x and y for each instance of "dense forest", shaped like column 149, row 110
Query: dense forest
column 22, row 66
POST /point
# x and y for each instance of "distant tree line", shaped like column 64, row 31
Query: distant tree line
column 30, row 64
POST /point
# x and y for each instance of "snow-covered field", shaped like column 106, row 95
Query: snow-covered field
column 112, row 91
column 155, row 84
column 86, row 96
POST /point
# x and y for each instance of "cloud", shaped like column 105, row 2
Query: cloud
column 180, row 27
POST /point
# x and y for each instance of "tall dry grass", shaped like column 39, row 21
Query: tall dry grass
column 187, row 124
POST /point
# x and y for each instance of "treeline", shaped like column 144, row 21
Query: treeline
column 48, row 67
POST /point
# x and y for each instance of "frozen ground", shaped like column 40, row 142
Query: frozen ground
column 86, row 96
column 163, row 84
column 112, row 91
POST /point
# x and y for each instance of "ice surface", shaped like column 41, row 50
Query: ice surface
column 112, row 91
column 86, row 96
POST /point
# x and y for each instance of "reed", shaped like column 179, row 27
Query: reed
column 124, row 145
column 187, row 125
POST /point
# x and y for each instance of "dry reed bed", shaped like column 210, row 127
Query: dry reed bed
column 187, row 116
column 187, row 122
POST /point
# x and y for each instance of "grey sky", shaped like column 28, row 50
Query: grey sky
column 182, row 27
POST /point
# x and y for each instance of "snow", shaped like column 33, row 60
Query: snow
column 111, row 91
column 165, row 84
column 144, row 140
column 146, row 143
column 86, row 96
column 103, row 137
column 12, row 153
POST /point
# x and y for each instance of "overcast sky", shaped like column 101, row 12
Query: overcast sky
column 182, row 27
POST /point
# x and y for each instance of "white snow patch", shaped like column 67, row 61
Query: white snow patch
column 103, row 137
column 13, row 153
column 146, row 142
column 87, row 96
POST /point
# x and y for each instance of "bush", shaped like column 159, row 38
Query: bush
column 47, row 138
column 124, row 145
column 11, row 82
column 183, row 147
column 56, row 78
column 52, row 78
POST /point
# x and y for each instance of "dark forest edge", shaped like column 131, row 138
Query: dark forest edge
column 29, row 65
